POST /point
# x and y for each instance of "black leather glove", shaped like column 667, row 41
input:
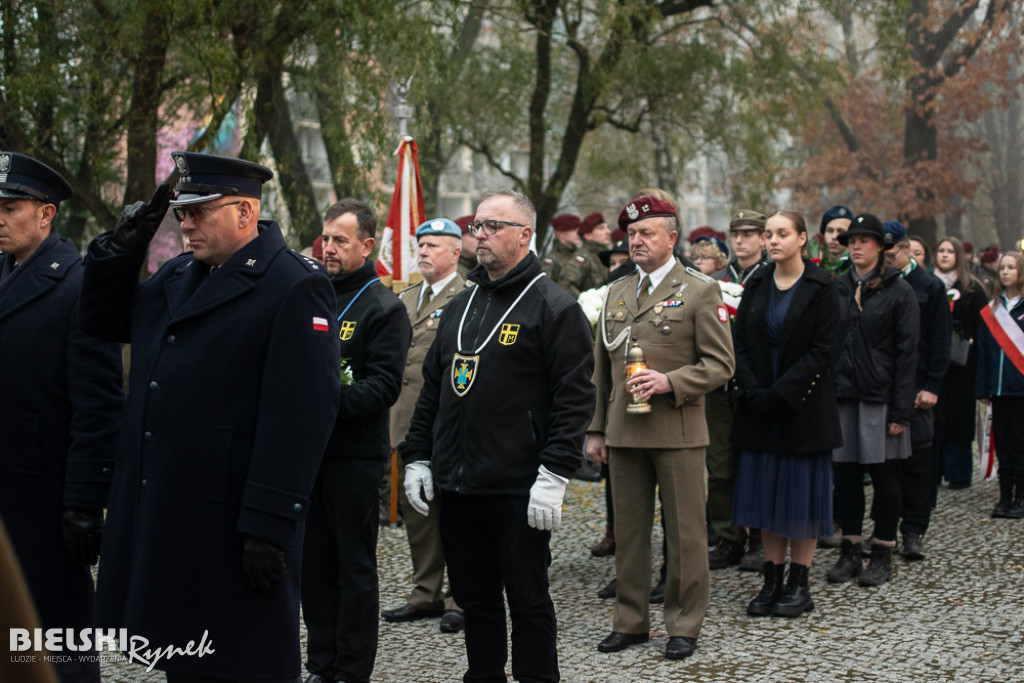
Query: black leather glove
column 83, row 531
column 262, row 562
column 139, row 222
column 763, row 401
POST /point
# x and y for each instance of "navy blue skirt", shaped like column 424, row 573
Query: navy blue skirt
column 787, row 495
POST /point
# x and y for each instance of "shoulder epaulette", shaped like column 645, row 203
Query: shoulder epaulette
column 697, row 274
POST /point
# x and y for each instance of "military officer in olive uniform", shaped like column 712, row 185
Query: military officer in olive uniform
column 676, row 316
column 439, row 249
column 566, row 262
column 597, row 237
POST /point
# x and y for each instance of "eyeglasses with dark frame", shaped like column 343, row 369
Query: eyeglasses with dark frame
column 489, row 227
column 197, row 213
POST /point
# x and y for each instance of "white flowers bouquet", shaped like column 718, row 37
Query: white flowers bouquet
column 346, row 372
column 591, row 302
column 732, row 292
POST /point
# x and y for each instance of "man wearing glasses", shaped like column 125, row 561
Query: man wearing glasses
column 234, row 390
column 499, row 428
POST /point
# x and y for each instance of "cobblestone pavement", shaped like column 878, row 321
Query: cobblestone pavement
column 956, row 616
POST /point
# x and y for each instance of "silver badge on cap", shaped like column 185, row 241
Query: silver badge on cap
column 5, row 162
column 182, row 164
column 632, row 212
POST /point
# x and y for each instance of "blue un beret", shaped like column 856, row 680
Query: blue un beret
column 205, row 177
column 439, row 226
column 22, row 177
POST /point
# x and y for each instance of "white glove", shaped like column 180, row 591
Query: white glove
column 418, row 476
column 545, row 509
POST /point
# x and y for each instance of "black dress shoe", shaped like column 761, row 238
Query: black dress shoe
column 680, row 647
column 620, row 641
column 610, row 590
column 658, row 594
column 317, row 678
column 453, row 621
column 409, row 612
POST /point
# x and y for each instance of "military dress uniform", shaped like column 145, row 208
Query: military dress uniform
column 566, row 266
column 234, row 390
column 60, row 407
column 596, row 272
column 683, row 328
column 424, row 534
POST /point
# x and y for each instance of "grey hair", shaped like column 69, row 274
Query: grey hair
column 519, row 200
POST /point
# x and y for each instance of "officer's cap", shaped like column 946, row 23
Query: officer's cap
column 747, row 219
column 439, row 226
column 22, row 177
column 204, row 177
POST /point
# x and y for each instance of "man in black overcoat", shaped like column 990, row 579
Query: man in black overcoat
column 234, row 389
column 59, row 406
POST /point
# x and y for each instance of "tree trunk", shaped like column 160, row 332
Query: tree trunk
column 143, row 120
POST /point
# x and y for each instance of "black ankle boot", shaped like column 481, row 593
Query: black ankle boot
column 1002, row 508
column 879, row 568
column 761, row 606
column 796, row 598
column 849, row 563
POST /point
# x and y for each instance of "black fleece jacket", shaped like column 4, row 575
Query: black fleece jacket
column 531, row 397
column 375, row 336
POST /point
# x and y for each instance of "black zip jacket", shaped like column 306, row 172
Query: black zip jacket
column 375, row 335
column 876, row 355
column 530, row 399
column 933, row 345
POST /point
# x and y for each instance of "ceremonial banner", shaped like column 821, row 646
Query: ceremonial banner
column 397, row 256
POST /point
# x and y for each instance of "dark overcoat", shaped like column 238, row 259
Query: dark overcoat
column 807, row 420
column 60, row 407
column 233, row 393
column 957, row 401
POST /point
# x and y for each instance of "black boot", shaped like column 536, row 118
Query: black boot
column 761, row 606
column 753, row 559
column 796, row 598
column 1002, row 508
column 849, row 564
column 879, row 569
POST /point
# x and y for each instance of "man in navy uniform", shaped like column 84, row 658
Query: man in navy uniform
column 499, row 425
column 234, row 388
column 59, row 407
column 340, row 597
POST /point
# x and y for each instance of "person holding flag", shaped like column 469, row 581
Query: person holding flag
column 1001, row 380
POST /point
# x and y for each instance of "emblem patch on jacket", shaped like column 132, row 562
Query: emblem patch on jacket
column 348, row 328
column 508, row 334
column 723, row 314
column 463, row 373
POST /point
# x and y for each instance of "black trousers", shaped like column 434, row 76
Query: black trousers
column 340, row 597
column 489, row 548
column 1008, row 435
column 885, row 507
column 917, row 474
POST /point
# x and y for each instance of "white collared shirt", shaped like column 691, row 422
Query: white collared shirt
column 436, row 288
column 656, row 276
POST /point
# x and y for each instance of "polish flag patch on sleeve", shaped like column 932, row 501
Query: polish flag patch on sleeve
column 319, row 324
column 723, row 314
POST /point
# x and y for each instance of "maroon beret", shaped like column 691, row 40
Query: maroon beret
column 645, row 207
column 968, row 247
column 991, row 254
column 565, row 222
column 318, row 247
column 618, row 235
column 702, row 231
column 463, row 223
column 590, row 222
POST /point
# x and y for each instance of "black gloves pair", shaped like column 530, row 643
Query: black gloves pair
column 763, row 401
column 139, row 222
column 83, row 531
column 262, row 562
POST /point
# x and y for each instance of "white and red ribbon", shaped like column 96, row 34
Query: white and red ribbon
column 1006, row 332
column 397, row 256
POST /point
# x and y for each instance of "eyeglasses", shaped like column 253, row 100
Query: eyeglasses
column 488, row 227
column 197, row 213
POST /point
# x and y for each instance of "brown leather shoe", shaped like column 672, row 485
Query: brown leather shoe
column 606, row 546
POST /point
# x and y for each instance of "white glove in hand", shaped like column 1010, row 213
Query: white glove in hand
column 417, row 477
column 545, row 509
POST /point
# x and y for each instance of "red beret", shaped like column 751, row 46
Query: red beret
column 618, row 235
column 463, row 223
column 645, row 207
column 991, row 254
column 565, row 222
column 318, row 247
column 590, row 222
column 968, row 247
column 702, row 231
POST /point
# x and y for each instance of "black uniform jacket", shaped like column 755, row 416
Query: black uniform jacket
column 60, row 408
column 934, row 341
column 807, row 420
column 375, row 336
column 233, row 394
column 876, row 355
column 529, row 398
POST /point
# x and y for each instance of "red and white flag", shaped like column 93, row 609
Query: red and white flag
column 1006, row 332
column 319, row 324
column 397, row 256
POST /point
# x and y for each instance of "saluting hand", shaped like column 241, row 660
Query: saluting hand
column 139, row 222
